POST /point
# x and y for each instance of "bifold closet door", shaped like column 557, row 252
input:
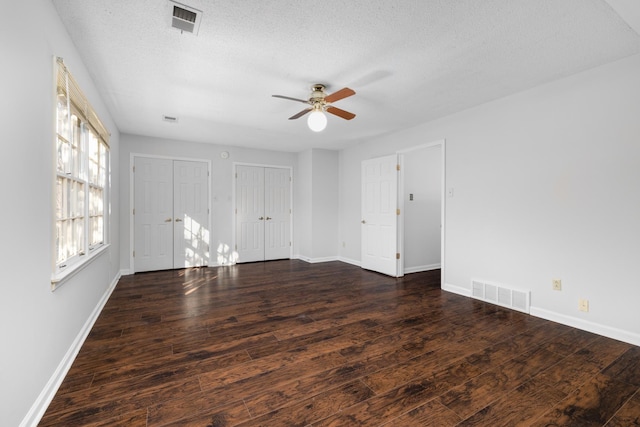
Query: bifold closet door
column 153, row 214
column 277, row 201
column 250, row 213
column 190, row 214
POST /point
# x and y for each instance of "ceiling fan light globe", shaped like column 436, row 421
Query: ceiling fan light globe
column 317, row 121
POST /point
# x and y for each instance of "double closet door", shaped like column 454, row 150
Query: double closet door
column 263, row 213
column 171, row 214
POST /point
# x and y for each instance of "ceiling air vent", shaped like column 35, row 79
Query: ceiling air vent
column 170, row 119
column 185, row 18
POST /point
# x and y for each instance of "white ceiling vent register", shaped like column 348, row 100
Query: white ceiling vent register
column 502, row 295
column 185, row 18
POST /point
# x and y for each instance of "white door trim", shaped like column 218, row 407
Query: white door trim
column 232, row 259
column 132, row 157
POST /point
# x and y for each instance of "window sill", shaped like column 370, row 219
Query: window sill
column 59, row 278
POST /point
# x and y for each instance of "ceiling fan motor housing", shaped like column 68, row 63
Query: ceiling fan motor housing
column 317, row 95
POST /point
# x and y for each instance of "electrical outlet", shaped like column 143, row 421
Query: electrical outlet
column 557, row 284
column 583, row 305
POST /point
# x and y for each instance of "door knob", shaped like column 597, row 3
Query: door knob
column 261, row 218
column 167, row 220
column 363, row 221
column 178, row 220
column 268, row 218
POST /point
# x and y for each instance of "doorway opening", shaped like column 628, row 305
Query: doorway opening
column 403, row 211
column 421, row 199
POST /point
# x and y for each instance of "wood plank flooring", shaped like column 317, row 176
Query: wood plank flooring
column 286, row 343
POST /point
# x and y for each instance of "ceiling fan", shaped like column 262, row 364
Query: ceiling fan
column 321, row 102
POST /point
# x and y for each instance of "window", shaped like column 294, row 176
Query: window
column 82, row 173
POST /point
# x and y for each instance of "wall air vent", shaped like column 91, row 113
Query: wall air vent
column 502, row 295
column 185, row 18
column 170, row 119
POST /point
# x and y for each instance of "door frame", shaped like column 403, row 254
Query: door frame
column 401, row 205
column 132, row 157
column 234, row 170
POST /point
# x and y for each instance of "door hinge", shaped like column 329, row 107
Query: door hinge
column 134, row 254
column 397, row 167
column 134, row 169
column 236, row 247
column 289, row 243
column 397, row 255
column 397, row 211
column 134, row 211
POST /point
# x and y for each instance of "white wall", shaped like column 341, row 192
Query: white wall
column 325, row 204
column 39, row 327
column 317, row 205
column 545, row 186
column 222, row 182
column 422, row 173
column 302, row 205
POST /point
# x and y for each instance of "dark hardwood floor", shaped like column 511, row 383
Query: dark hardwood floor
column 287, row 343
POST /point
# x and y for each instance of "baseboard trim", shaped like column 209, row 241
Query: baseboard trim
column 465, row 292
column 317, row 260
column 420, row 268
column 350, row 261
column 39, row 407
column 596, row 328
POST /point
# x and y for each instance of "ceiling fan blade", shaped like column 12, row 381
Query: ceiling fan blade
column 290, row 98
column 300, row 114
column 340, row 113
column 342, row 93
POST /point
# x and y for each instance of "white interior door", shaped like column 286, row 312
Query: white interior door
column 190, row 213
column 277, row 232
column 263, row 213
column 379, row 225
column 250, row 216
column 153, row 214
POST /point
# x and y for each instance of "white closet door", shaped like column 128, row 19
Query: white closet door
column 277, row 233
column 191, row 213
column 250, row 215
column 153, row 214
column 379, row 215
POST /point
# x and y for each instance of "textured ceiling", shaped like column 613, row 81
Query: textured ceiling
column 410, row 61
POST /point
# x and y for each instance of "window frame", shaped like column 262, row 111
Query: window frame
column 81, row 161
